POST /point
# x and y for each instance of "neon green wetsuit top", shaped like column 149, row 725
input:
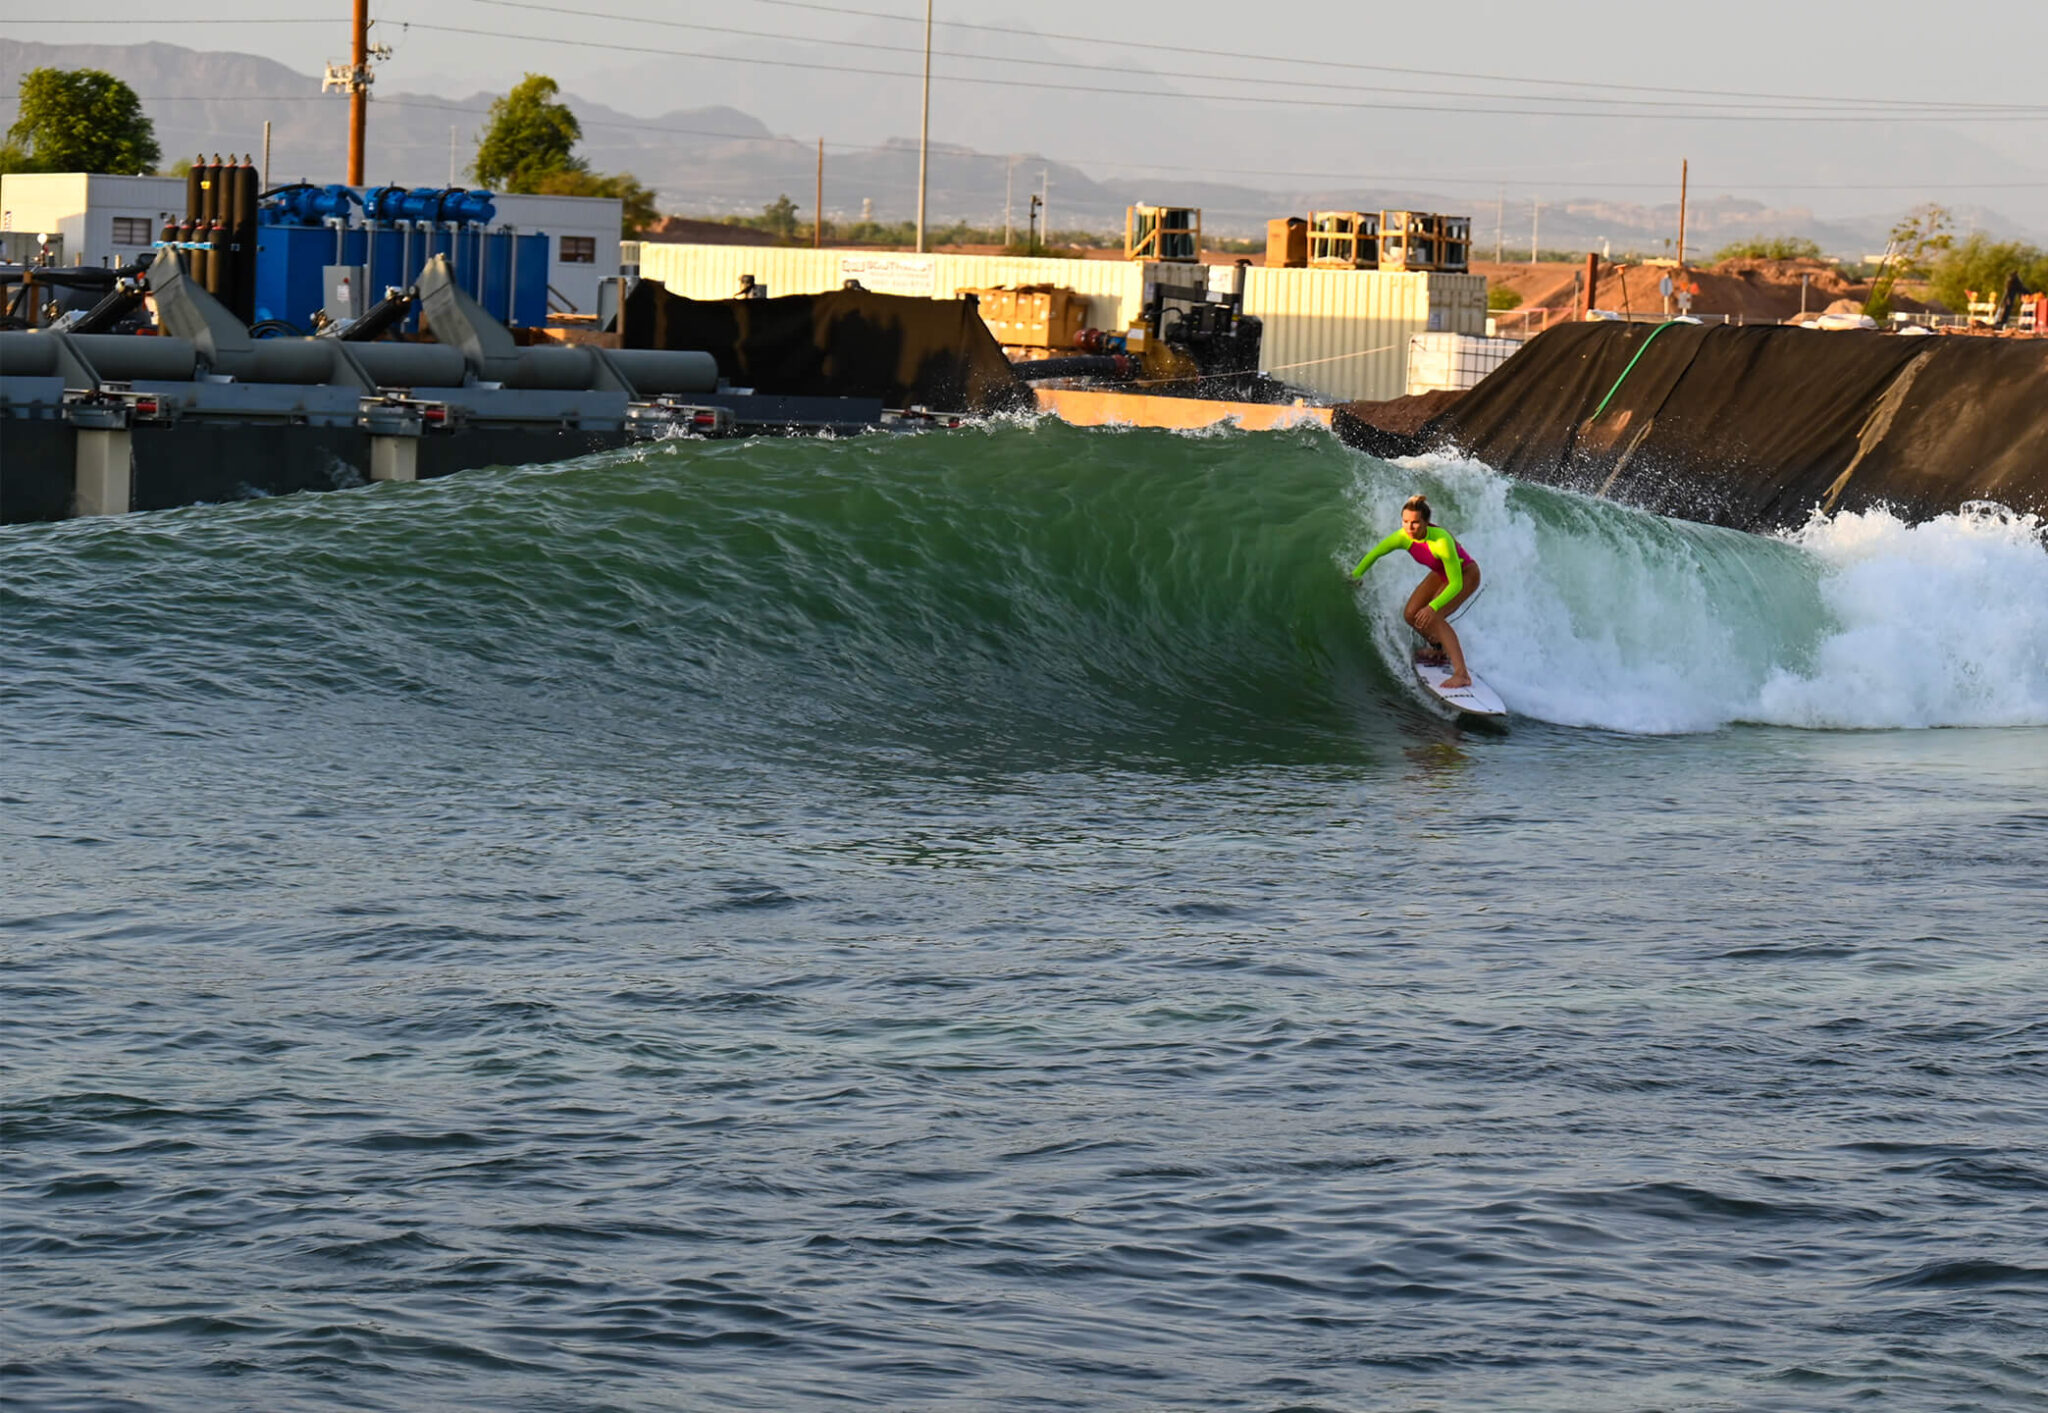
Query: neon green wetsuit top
column 1435, row 550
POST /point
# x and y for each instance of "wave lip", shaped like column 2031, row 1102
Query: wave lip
column 1944, row 623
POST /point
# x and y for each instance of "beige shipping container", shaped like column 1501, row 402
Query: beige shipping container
column 1344, row 333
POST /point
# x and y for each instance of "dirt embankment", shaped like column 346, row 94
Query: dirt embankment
column 1751, row 427
column 1754, row 291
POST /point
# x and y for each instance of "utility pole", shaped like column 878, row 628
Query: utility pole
column 1009, row 184
column 1535, row 225
column 451, row 154
column 1684, row 172
column 924, row 127
column 1500, row 216
column 266, row 156
column 1045, row 205
column 353, row 78
column 818, row 211
column 359, row 93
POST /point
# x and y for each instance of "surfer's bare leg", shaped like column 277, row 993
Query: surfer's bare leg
column 1429, row 588
column 1436, row 627
column 1431, row 625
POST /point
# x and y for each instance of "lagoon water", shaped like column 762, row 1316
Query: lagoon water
column 983, row 921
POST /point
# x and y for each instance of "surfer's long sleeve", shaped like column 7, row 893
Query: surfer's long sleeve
column 1397, row 541
column 1446, row 550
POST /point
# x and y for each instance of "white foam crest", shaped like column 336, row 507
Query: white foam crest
column 1596, row 614
column 1939, row 624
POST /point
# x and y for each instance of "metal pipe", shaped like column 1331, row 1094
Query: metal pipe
column 1684, row 172
column 1103, row 365
column 242, row 231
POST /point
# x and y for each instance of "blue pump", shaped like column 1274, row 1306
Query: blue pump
column 450, row 205
column 304, row 204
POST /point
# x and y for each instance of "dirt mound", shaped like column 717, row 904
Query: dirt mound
column 1753, row 291
column 686, row 231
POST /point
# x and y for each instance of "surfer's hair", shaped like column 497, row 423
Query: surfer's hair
column 1419, row 504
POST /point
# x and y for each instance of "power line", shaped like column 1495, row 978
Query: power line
column 1264, row 100
column 182, row 21
column 1431, row 179
column 1288, row 58
column 1873, row 106
column 1802, row 99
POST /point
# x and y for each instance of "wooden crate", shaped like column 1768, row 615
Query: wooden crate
column 1286, row 243
column 1171, row 233
column 1032, row 316
column 1424, row 240
column 1344, row 240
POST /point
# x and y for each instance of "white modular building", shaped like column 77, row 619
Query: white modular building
column 583, row 242
column 101, row 220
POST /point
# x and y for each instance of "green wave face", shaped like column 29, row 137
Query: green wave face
column 1025, row 594
column 1028, row 590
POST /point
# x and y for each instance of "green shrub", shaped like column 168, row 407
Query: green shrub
column 1500, row 297
column 1769, row 248
column 1981, row 264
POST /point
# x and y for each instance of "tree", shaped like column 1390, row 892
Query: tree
column 636, row 202
column 80, row 120
column 779, row 216
column 1919, row 236
column 530, row 147
column 530, row 137
column 1982, row 265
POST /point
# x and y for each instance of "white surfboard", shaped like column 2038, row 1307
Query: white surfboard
column 1475, row 700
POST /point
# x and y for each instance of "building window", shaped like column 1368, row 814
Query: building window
column 579, row 250
column 133, row 230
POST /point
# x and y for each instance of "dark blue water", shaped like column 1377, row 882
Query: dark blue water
column 978, row 922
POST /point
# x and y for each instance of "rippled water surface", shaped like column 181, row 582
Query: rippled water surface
column 983, row 921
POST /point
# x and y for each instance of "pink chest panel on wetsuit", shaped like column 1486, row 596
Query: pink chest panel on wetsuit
column 1420, row 553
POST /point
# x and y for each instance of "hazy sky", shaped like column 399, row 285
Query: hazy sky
column 1831, row 106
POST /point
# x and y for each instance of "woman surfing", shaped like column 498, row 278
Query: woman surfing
column 1452, row 579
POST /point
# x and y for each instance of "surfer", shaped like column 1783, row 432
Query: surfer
column 1453, row 578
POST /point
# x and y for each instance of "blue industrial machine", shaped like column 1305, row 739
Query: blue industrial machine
column 304, row 232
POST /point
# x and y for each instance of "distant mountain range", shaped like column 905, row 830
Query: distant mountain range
column 718, row 160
